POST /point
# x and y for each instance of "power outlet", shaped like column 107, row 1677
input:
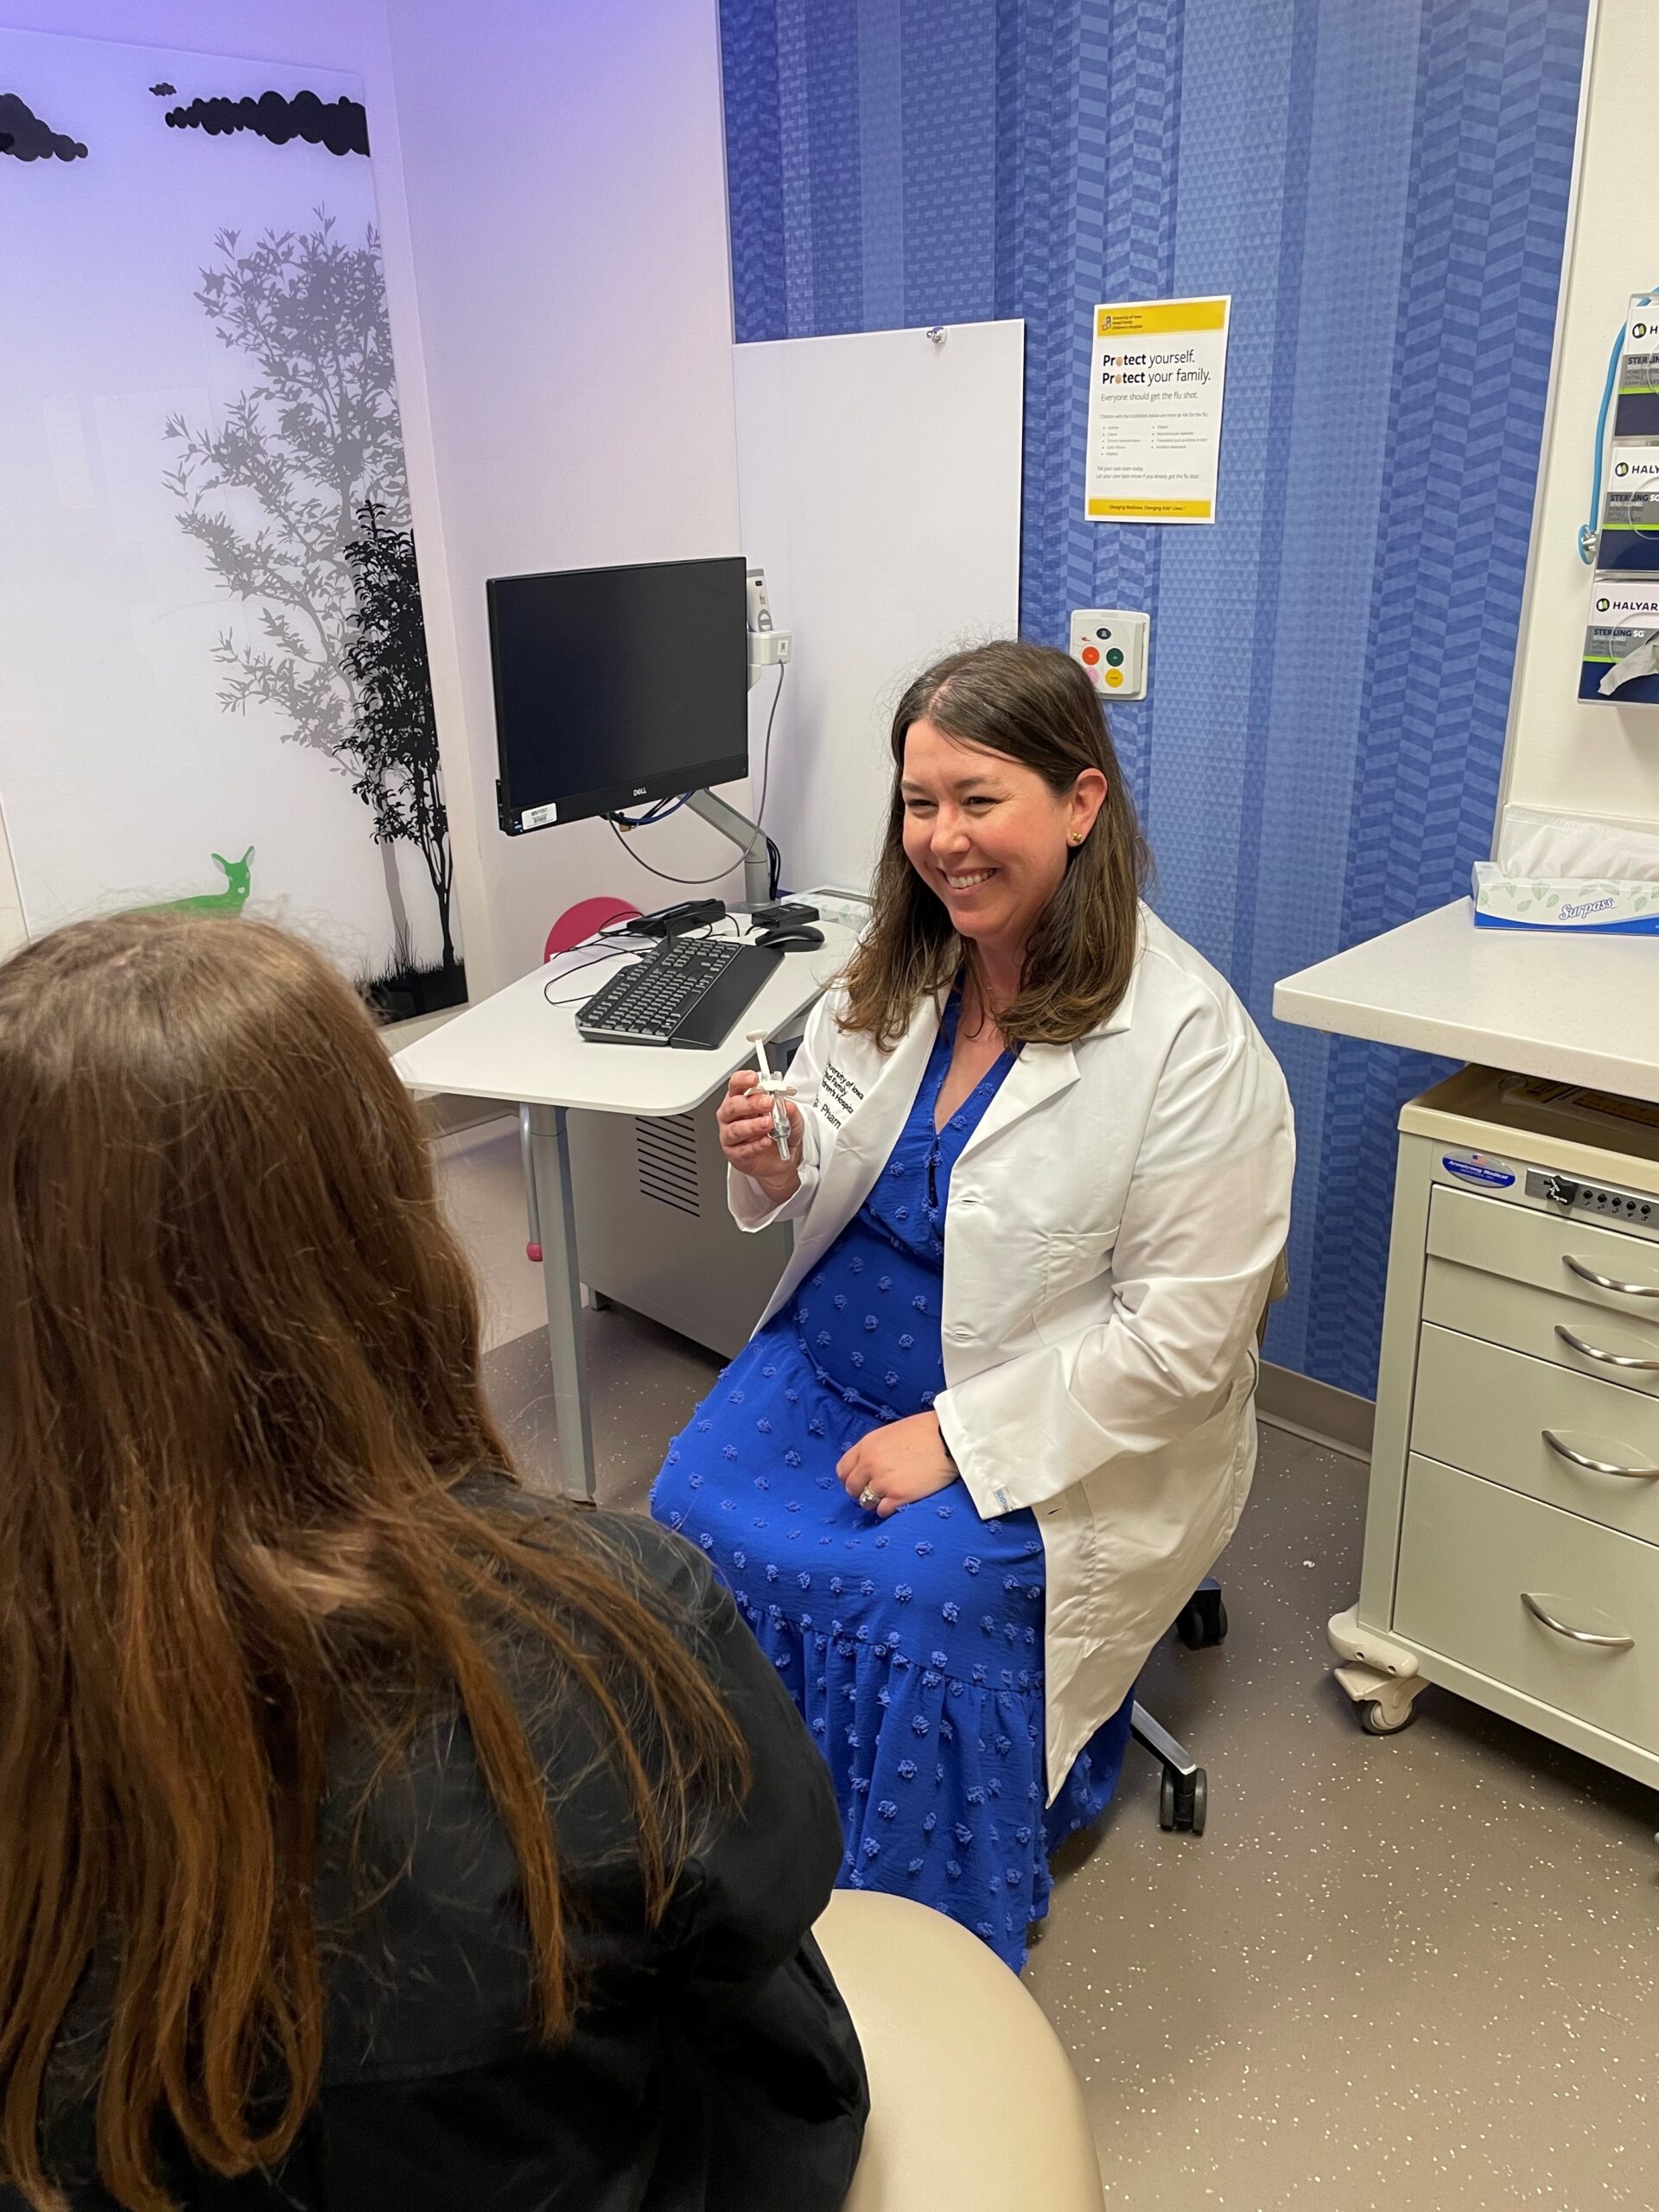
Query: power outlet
column 1112, row 643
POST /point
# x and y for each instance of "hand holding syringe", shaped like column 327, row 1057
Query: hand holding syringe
column 777, row 1092
column 760, row 1128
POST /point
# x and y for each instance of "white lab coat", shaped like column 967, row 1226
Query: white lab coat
column 1113, row 1227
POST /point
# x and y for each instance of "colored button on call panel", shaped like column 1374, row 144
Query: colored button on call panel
column 1091, row 654
column 1113, row 676
column 1114, row 659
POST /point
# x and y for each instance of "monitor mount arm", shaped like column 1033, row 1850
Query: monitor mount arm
column 749, row 836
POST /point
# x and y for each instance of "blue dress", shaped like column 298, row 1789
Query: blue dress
column 913, row 1646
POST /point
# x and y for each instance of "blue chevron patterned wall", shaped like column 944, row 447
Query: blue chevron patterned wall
column 1383, row 190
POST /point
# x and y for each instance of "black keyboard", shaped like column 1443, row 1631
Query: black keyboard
column 690, row 992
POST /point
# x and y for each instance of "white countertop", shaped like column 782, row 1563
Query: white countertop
column 520, row 1048
column 1583, row 1009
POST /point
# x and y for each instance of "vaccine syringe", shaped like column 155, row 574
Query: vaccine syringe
column 778, row 1092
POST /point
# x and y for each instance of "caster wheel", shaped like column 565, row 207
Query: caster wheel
column 1376, row 1722
column 1200, row 1808
column 1184, row 1801
column 1201, row 1622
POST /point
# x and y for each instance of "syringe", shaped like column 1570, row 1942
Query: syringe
column 778, row 1091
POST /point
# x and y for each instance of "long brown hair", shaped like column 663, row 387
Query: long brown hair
column 240, row 1399
column 1035, row 705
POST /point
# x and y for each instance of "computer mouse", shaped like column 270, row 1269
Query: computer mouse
column 794, row 937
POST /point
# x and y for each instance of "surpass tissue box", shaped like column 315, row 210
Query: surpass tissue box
column 1598, row 906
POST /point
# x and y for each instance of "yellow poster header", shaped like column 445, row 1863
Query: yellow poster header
column 1156, row 315
column 1148, row 511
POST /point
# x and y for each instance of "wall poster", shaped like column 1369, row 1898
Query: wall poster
column 1156, row 371
column 216, row 685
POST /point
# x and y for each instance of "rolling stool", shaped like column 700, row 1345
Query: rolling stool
column 974, row 2105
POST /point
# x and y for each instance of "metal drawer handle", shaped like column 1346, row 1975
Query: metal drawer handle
column 1575, row 1634
column 1607, row 1358
column 1597, row 1466
column 1611, row 1282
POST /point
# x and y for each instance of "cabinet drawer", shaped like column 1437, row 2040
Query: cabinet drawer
column 1546, row 1250
column 1526, row 1319
column 1485, row 1409
column 1468, row 1549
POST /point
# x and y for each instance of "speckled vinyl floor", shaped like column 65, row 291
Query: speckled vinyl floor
column 1413, row 1971
column 1416, row 1973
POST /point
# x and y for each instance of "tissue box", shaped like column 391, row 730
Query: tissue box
column 1598, row 907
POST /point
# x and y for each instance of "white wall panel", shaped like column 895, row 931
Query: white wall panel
column 564, row 169
column 881, row 493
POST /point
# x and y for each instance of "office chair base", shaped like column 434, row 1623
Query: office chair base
column 1184, row 1794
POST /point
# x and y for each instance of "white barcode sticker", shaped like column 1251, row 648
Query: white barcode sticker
column 537, row 818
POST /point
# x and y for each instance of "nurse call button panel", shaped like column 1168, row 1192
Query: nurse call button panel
column 1111, row 644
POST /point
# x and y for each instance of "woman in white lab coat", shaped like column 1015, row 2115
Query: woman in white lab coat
column 998, row 1419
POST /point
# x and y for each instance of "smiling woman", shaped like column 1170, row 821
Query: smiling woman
column 1011, row 839
column 998, row 1420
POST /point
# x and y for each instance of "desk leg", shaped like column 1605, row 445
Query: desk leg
column 553, row 1203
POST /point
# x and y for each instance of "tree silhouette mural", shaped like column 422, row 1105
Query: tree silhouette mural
column 396, row 742
column 274, row 495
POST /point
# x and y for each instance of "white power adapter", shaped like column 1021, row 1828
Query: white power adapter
column 768, row 648
column 1112, row 643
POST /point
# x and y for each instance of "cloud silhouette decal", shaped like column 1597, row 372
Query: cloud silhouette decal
column 162, row 89
column 26, row 138
column 341, row 126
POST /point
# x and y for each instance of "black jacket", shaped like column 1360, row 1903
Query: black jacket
column 712, row 2064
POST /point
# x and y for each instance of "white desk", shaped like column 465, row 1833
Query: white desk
column 518, row 1048
column 1580, row 1009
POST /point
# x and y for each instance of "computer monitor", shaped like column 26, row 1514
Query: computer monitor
column 615, row 686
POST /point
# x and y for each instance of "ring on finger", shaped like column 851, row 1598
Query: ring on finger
column 866, row 1498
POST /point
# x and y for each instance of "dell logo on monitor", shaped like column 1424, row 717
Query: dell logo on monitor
column 639, row 790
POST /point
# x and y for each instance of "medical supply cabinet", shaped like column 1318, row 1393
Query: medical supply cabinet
column 1512, row 1529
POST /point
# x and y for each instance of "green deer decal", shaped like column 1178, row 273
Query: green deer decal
column 231, row 900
